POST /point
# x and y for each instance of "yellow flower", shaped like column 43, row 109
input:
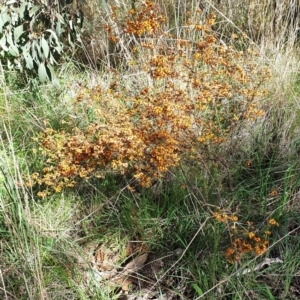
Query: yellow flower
column 43, row 194
column 220, row 217
column 234, row 218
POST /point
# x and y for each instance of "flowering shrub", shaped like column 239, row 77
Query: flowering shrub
column 198, row 92
column 244, row 240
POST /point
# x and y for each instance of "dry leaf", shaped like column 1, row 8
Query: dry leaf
column 131, row 267
column 135, row 264
column 126, row 284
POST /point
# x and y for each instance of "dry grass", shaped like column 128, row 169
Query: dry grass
column 253, row 176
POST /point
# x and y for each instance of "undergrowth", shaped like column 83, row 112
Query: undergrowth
column 184, row 142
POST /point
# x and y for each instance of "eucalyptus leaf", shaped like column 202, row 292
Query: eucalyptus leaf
column 18, row 64
column 11, row 2
column 33, row 10
column 42, row 72
column 45, row 47
column 28, row 60
column 5, row 18
column 9, row 65
column 22, row 9
column 13, row 50
column 18, row 31
column 27, row 46
column 52, row 76
column 33, row 51
column 60, row 18
column 34, row 32
column 29, row 4
column 70, row 40
column 39, row 49
column 52, row 60
column 3, row 7
column 14, row 19
column 53, row 35
column 9, row 38
column 3, row 43
column 58, row 28
column 58, row 49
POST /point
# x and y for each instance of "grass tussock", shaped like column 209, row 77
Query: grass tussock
column 166, row 166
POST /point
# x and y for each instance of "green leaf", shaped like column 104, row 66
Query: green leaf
column 70, row 40
column 104, row 5
column 5, row 18
column 58, row 28
column 18, row 31
column 52, row 60
column 60, row 18
column 9, row 65
column 58, row 49
column 52, row 76
column 36, row 49
column 18, row 64
column 45, row 47
column 197, row 289
column 33, row 10
column 28, row 60
column 22, row 10
column 42, row 72
column 3, row 43
column 53, row 36
column 9, row 38
column 33, row 51
column 13, row 50
column 27, row 56
column 10, row 2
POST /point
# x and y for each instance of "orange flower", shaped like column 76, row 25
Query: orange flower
column 274, row 193
column 188, row 110
column 251, row 235
column 273, row 222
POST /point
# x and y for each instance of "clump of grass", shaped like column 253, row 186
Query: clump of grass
column 37, row 239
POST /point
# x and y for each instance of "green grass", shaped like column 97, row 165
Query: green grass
column 38, row 236
column 45, row 243
column 41, row 239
